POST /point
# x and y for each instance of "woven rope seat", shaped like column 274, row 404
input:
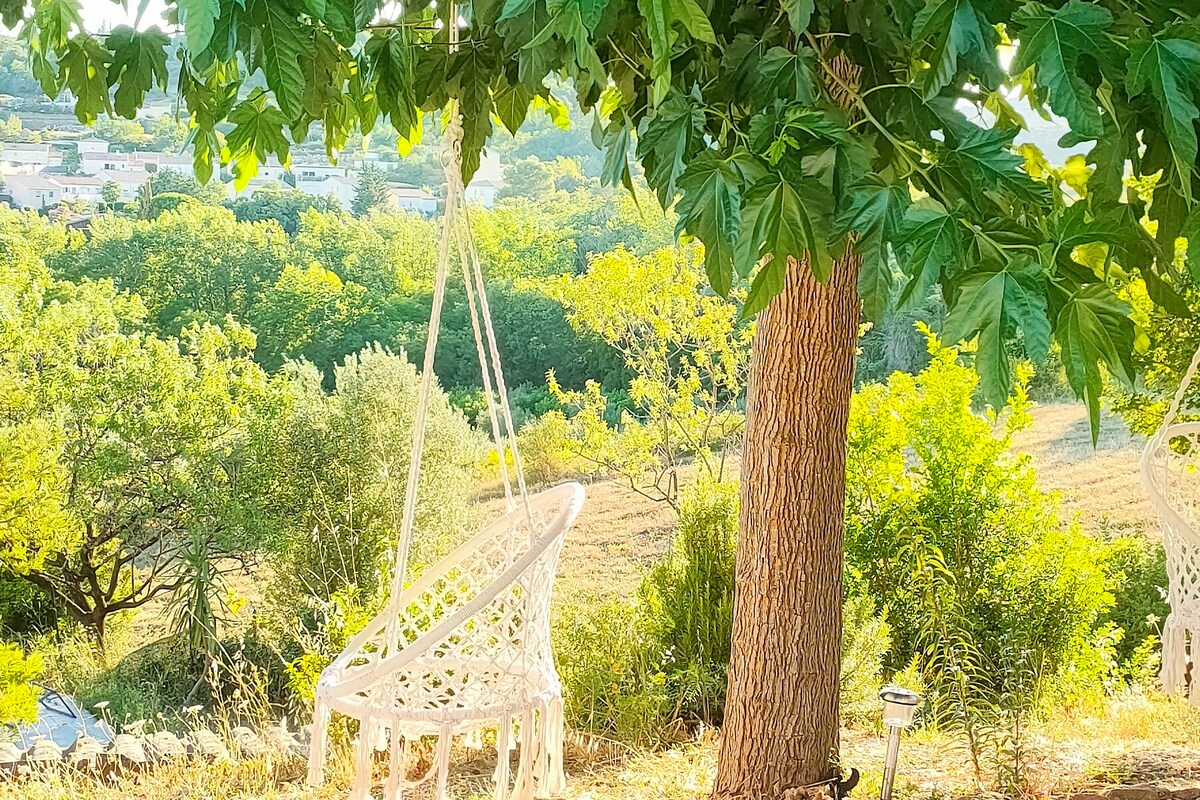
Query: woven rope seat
column 1171, row 474
column 466, row 645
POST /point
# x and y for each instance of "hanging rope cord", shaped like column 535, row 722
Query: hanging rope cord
column 457, row 234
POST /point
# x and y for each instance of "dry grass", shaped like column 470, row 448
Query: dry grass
column 1101, row 486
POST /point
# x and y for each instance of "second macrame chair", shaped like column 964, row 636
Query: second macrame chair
column 467, row 645
column 1171, row 473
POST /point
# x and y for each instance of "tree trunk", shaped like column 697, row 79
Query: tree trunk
column 781, row 715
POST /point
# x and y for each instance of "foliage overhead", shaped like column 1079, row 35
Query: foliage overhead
column 784, row 128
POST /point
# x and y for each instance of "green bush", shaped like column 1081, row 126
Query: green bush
column 1138, row 568
column 331, row 469
column 18, row 695
column 687, row 601
column 946, row 528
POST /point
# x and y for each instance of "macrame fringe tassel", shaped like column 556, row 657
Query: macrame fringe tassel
column 556, row 777
column 524, row 788
column 503, row 754
column 397, row 767
column 320, row 740
column 361, row 788
column 443, row 764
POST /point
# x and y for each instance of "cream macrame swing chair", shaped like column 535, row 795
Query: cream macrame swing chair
column 1171, row 473
column 467, row 645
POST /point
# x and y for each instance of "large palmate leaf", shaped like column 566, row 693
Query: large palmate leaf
column 874, row 216
column 987, row 160
column 1052, row 42
column 83, row 69
column 139, row 63
column 782, row 220
column 951, row 29
column 667, row 141
column 284, row 41
column 198, row 18
column 258, row 131
column 785, row 75
column 710, row 209
column 1170, row 70
column 932, row 239
column 1093, row 328
column 992, row 304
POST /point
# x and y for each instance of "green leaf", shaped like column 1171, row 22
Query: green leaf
column 391, row 72
column 139, row 62
column 515, row 8
column 668, row 140
column 986, row 158
column 799, row 14
column 83, row 69
column 1170, row 70
column 786, row 75
column 693, row 19
column 615, row 140
column 590, row 12
column 874, row 213
column 932, row 238
column 284, row 40
column 198, row 18
column 258, row 131
column 951, row 29
column 782, row 220
column 710, row 209
column 1093, row 327
column 1052, row 43
column 654, row 12
column 512, row 105
column 1191, row 232
column 54, row 20
column 992, row 304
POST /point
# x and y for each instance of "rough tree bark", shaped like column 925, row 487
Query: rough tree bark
column 781, row 715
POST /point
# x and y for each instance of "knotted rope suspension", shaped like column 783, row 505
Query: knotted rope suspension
column 468, row 643
column 457, row 235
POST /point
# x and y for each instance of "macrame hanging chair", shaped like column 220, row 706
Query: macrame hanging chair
column 1171, row 473
column 467, row 645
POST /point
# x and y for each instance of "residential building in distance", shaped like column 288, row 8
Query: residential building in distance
column 92, row 144
column 341, row 187
column 79, row 187
column 32, row 191
column 130, row 181
column 410, row 198
column 483, row 191
column 316, row 171
column 95, row 163
column 29, row 156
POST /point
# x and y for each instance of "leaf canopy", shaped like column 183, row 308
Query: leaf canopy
column 783, row 128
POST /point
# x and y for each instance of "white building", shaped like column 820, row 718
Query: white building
column 483, row 191
column 91, row 145
column 315, row 172
column 79, row 187
column 130, row 181
column 32, row 191
column 145, row 159
column 340, row 187
column 27, row 154
column 410, row 198
column 95, row 163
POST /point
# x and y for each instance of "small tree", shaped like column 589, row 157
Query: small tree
column 132, row 450
column 689, row 356
column 110, row 193
column 372, row 192
column 72, row 161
